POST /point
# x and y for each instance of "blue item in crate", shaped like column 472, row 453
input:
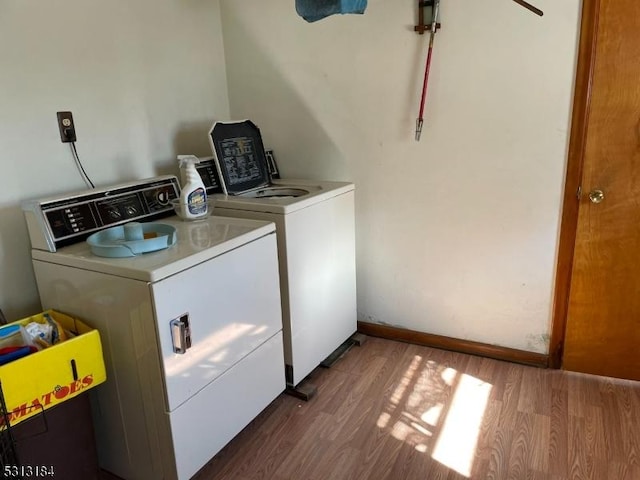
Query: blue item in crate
column 9, row 354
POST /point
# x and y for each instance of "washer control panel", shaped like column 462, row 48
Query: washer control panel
column 70, row 219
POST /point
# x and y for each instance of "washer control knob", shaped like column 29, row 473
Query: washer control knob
column 163, row 197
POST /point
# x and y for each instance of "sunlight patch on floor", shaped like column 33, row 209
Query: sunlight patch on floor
column 383, row 420
column 449, row 375
column 439, row 412
column 406, row 418
column 398, row 393
column 456, row 443
column 432, row 415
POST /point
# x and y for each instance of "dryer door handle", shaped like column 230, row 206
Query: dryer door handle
column 181, row 334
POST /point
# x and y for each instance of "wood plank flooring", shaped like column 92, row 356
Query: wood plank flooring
column 390, row 410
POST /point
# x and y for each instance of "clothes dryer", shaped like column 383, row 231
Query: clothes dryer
column 192, row 334
column 315, row 229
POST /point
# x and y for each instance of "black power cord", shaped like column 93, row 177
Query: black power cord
column 85, row 177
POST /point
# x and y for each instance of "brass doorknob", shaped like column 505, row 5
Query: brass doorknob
column 596, row 196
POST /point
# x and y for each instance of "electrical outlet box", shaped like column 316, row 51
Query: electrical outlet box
column 66, row 126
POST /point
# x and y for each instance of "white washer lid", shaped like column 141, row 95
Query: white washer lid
column 239, row 155
column 318, row 191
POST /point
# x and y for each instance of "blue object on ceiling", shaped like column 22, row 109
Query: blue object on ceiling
column 314, row 10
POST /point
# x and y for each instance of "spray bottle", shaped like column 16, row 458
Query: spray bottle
column 193, row 196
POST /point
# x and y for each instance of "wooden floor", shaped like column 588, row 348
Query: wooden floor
column 389, row 410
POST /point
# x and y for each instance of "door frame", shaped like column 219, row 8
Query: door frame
column 575, row 160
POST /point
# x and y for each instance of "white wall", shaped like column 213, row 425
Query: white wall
column 456, row 234
column 144, row 80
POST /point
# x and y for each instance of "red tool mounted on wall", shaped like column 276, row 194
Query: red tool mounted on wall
column 433, row 27
column 420, row 28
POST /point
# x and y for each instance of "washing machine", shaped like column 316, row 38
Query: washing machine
column 191, row 333
column 315, row 229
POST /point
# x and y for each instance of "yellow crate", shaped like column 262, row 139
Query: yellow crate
column 46, row 378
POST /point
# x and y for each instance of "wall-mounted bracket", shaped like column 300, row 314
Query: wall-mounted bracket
column 422, row 27
column 422, row 4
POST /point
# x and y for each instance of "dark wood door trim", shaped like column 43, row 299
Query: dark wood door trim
column 577, row 142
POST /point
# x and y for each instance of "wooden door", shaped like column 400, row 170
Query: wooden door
column 603, row 322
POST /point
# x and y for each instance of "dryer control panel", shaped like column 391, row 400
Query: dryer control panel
column 56, row 222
